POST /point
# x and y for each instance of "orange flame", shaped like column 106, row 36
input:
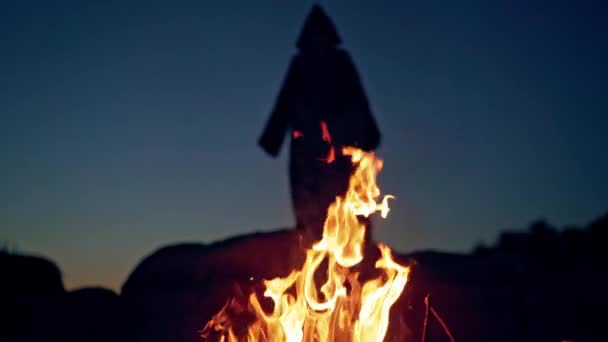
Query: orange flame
column 331, row 155
column 343, row 308
column 325, row 132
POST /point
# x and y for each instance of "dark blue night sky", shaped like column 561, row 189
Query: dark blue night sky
column 125, row 127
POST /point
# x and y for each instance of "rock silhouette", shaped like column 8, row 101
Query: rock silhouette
column 34, row 306
column 512, row 291
column 544, row 284
column 29, row 286
column 92, row 314
column 178, row 288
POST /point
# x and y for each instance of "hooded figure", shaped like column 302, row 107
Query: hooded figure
column 321, row 104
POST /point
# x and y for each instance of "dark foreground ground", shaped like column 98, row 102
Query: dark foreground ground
column 539, row 285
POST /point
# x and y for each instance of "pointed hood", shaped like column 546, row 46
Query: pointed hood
column 318, row 32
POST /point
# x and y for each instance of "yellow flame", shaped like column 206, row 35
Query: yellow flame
column 342, row 308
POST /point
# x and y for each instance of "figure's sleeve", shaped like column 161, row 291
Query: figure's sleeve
column 274, row 132
column 367, row 131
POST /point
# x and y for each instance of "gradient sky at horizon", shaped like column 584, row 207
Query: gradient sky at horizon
column 129, row 125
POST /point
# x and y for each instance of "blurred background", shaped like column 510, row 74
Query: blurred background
column 126, row 126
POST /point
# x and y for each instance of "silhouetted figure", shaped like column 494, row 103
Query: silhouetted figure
column 321, row 103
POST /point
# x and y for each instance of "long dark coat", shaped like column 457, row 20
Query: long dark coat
column 321, row 86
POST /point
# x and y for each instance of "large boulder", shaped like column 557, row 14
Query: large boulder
column 477, row 300
column 545, row 285
column 92, row 315
column 31, row 289
column 173, row 292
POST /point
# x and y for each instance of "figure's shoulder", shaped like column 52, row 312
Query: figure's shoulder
column 342, row 54
column 297, row 59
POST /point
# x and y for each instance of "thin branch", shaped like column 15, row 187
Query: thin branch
column 426, row 317
column 443, row 325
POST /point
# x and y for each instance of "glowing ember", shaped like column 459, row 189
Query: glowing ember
column 343, row 308
column 331, row 155
column 325, row 132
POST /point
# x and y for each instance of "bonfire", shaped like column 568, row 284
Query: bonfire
column 342, row 306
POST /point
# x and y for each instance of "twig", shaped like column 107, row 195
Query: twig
column 426, row 316
column 443, row 325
